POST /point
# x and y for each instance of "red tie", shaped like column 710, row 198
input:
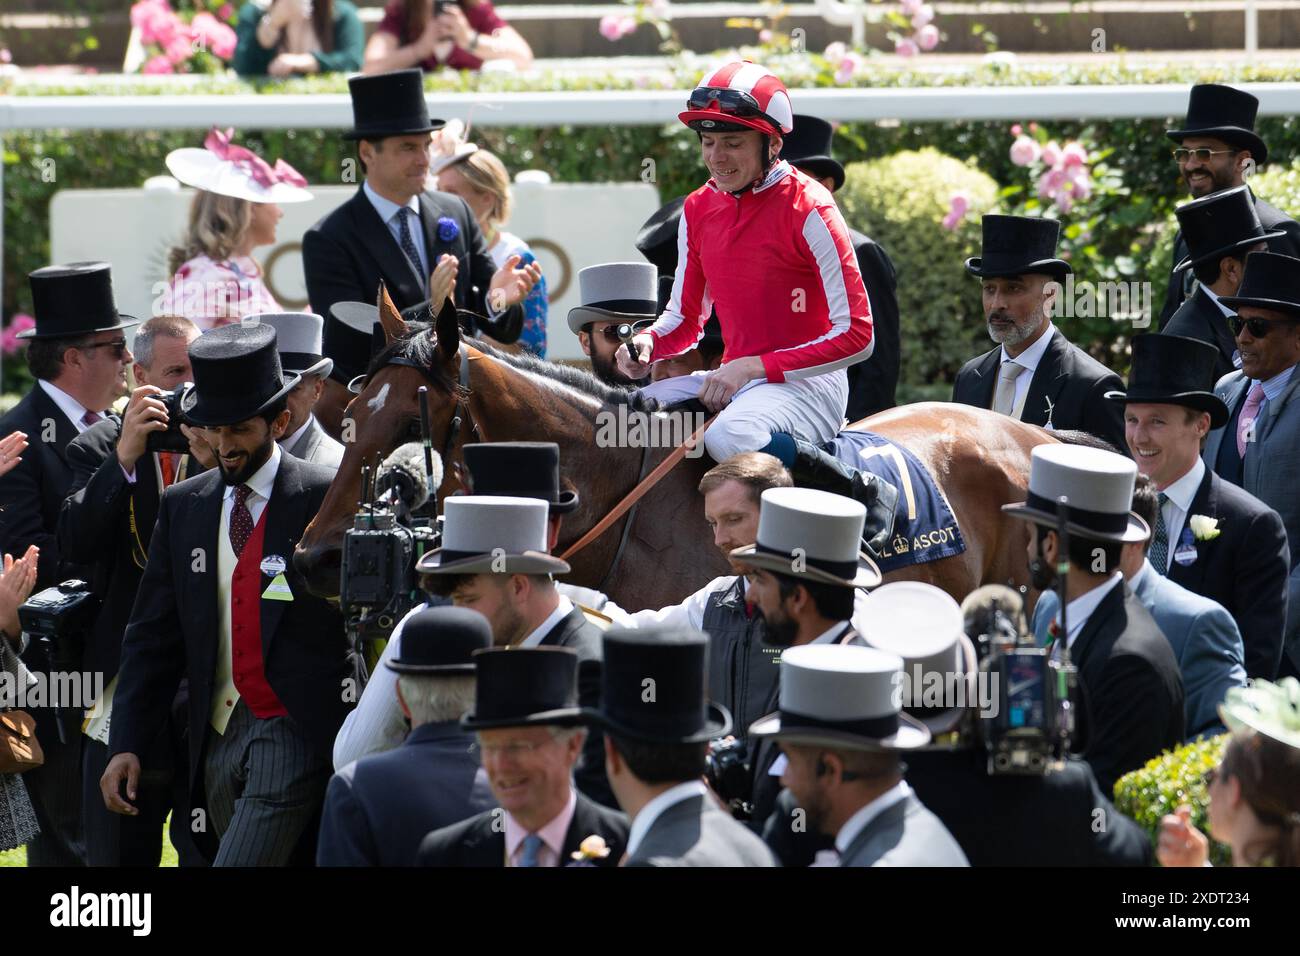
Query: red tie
column 168, row 468
column 241, row 520
column 90, row 418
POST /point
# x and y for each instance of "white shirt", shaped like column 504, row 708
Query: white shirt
column 387, row 210
column 1080, row 609
column 858, row 822
column 562, row 610
column 1028, row 360
column 1180, row 495
column 260, row 484
column 68, row 405
column 288, row 441
column 651, row 812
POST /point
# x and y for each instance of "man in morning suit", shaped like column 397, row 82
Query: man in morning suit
column 424, row 246
column 1265, row 411
column 658, row 724
column 378, row 809
column 1130, row 704
column 1237, row 555
column 1035, row 374
column 298, row 336
column 1220, row 230
column 107, row 521
column 78, row 356
column 841, row 730
column 1218, row 149
column 222, row 605
column 494, row 559
column 528, row 723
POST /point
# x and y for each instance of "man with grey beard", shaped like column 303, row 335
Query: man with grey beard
column 1035, row 374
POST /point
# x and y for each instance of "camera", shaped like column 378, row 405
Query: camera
column 727, row 770
column 171, row 439
column 58, row 619
column 440, row 6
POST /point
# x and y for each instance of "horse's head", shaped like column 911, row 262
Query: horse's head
column 384, row 415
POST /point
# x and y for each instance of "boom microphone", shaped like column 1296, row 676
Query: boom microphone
column 403, row 475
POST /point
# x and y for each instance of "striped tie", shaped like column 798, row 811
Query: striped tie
column 408, row 244
column 1160, row 540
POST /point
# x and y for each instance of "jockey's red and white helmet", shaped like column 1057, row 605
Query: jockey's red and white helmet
column 740, row 95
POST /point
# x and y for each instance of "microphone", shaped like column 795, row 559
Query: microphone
column 405, row 478
column 994, row 615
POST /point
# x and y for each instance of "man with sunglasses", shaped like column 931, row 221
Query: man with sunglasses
column 766, row 245
column 1256, row 449
column 1218, row 149
column 78, row 356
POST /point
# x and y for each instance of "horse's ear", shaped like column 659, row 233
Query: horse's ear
column 391, row 320
column 448, row 329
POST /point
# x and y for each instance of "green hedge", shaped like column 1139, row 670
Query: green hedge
column 1168, row 781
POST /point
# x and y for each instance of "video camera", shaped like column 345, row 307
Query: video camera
column 58, row 620
column 172, row 438
column 727, row 770
column 1028, row 731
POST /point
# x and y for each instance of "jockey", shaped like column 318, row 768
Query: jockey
column 767, row 247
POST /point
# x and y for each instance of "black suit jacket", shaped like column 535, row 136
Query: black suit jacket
column 1130, row 700
column 1200, row 318
column 347, row 253
column 31, row 496
column 481, row 840
column 1270, row 218
column 173, row 629
column 1068, row 380
column 578, row 633
column 872, row 383
column 107, row 522
column 1245, row 568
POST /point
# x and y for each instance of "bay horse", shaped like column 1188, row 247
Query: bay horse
column 978, row 457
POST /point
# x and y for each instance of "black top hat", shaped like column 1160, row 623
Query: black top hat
column 389, row 104
column 441, row 641
column 524, row 687
column 809, row 147
column 1174, row 370
column 1220, row 224
column 1018, row 245
column 74, row 299
column 519, row 469
column 1270, row 281
column 677, row 711
column 657, row 239
column 1224, row 113
column 237, row 375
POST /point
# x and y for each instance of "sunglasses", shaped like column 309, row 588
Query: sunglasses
column 1182, row 154
column 730, row 102
column 117, row 345
column 1259, row 328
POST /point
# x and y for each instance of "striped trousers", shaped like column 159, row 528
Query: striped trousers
column 265, row 786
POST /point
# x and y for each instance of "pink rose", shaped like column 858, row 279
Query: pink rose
column 215, row 36
column 1052, row 153
column 5, row 55
column 1074, row 154
column 927, row 38
column 1050, row 183
column 1081, row 184
column 159, row 64
column 836, row 51
column 1017, row 130
column 1064, row 203
column 905, row 47
column 848, row 66
column 226, row 12
column 1025, row 151
column 764, row 36
column 957, row 208
column 179, row 49
column 9, row 340
column 923, row 15
column 614, row 27
column 160, row 25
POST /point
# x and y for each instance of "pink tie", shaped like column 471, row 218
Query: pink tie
column 1246, row 424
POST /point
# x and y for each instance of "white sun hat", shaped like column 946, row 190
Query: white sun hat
column 229, row 170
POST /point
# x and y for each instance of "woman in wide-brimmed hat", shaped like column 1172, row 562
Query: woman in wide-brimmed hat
column 214, row 278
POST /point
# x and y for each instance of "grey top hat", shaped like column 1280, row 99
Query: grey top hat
column 810, row 534
column 492, row 534
column 299, row 336
column 841, row 696
column 1097, row 486
column 926, row 628
column 617, row 291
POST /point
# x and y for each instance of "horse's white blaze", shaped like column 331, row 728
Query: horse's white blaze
column 377, row 402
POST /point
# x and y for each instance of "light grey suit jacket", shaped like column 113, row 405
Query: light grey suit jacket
column 315, row 446
column 695, row 832
column 905, row 834
column 1270, row 471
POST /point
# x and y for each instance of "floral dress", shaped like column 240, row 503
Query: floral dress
column 533, row 336
column 211, row 294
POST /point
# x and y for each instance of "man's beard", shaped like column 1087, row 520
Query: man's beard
column 606, row 370
column 255, row 461
column 1018, row 333
column 1042, row 575
column 779, row 630
column 1219, row 181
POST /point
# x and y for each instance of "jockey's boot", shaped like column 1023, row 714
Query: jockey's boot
column 815, row 468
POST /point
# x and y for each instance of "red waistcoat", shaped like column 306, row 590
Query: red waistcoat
column 247, row 666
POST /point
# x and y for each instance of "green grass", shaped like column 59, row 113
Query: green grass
column 18, row 857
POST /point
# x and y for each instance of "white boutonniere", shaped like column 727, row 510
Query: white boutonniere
column 1204, row 528
column 592, row 848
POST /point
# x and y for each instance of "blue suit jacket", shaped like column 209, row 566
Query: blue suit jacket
column 1204, row 638
column 379, row 808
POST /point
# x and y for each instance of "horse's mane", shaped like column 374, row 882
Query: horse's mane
column 420, row 346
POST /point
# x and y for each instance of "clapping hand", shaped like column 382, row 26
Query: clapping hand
column 16, row 587
column 1180, row 843
column 511, row 284
column 12, row 447
column 442, row 282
